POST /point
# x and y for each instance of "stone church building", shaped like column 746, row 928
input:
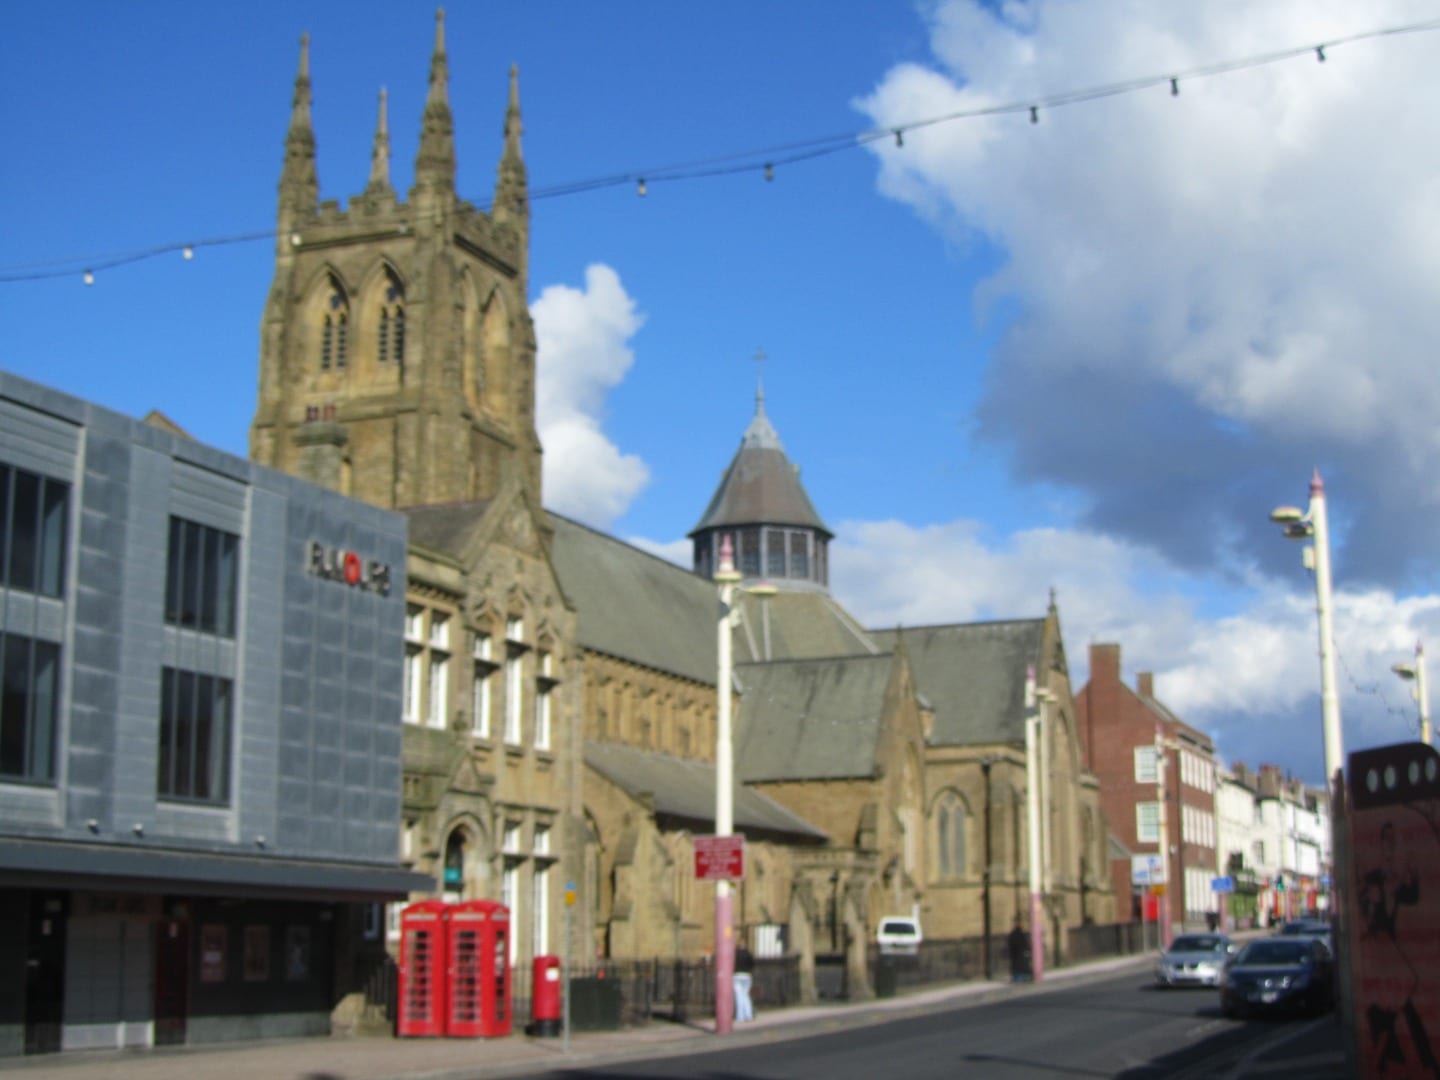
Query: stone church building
column 559, row 699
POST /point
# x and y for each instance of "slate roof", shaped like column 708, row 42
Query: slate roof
column 798, row 625
column 686, row 789
column 761, row 486
column 635, row 606
column 973, row 676
column 811, row 719
column 445, row 528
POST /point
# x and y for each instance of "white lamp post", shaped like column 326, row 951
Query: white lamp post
column 1306, row 526
column 727, row 579
column 1163, row 908
column 1416, row 671
column 1032, row 819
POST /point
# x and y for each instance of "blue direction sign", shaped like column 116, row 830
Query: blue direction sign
column 1222, row 884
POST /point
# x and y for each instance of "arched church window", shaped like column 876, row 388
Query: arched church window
column 950, row 837
column 390, row 334
column 334, row 329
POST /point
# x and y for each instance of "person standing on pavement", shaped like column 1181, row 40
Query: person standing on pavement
column 744, row 968
column 1019, row 943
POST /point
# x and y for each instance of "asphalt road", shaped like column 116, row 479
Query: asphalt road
column 1116, row 1027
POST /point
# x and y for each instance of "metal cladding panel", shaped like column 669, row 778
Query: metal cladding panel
column 316, row 659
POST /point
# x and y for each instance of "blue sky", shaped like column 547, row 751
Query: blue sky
column 1088, row 353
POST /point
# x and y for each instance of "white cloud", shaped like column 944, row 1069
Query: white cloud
column 1250, row 679
column 1236, row 279
column 584, row 352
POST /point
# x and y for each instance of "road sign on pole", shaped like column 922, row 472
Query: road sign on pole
column 1222, row 884
column 719, row 858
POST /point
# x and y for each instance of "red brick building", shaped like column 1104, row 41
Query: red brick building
column 1119, row 730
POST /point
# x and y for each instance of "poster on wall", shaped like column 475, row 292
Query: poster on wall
column 212, row 952
column 257, row 953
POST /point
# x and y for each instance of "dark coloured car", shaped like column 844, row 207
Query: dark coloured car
column 1287, row 974
column 1314, row 928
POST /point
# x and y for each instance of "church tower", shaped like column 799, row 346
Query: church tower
column 761, row 504
column 397, row 354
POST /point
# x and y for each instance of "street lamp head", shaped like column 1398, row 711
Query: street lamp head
column 1286, row 515
column 1405, row 671
column 1300, row 530
column 763, row 589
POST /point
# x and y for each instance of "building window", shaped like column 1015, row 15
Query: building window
column 775, row 552
column 1258, row 849
column 414, row 661
column 335, row 330
column 29, row 685
column 202, row 568
column 544, row 684
column 480, row 689
column 510, row 897
column 1145, row 765
column 749, row 553
column 194, row 737
column 390, row 345
column 439, row 669
column 515, row 649
column 950, row 837
column 1147, row 822
column 799, row 555
column 32, row 531
column 540, row 905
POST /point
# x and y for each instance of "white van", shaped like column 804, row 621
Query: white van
column 898, row 934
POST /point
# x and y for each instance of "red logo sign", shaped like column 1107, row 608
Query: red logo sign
column 719, row 858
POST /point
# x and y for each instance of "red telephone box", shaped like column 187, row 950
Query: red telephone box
column 478, row 933
column 422, row 969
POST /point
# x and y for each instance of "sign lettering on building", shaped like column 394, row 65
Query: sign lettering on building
column 348, row 568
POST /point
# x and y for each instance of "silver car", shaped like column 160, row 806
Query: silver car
column 1193, row 960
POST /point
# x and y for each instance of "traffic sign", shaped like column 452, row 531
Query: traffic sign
column 719, row 858
column 1222, row 884
column 1146, row 869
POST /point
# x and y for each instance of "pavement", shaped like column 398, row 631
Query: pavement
column 387, row 1058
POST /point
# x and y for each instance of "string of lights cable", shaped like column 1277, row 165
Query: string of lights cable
column 1410, row 721
column 766, row 160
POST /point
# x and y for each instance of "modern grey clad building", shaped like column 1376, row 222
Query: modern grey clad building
column 200, row 737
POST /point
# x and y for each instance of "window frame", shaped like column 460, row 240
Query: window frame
column 46, row 531
column 37, row 739
column 179, row 730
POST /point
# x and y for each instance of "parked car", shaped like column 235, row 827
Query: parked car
column 1313, row 928
column 898, row 935
column 1287, row 973
column 1193, row 960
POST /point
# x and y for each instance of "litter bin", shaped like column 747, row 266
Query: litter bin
column 544, row 997
column 886, row 976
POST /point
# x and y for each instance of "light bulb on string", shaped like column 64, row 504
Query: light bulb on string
column 1034, row 114
column 1174, row 87
column 769, row 171
column 640, row 188
column 89, row 277
column 1320, row 53
column 899, row 138
column 188, row 253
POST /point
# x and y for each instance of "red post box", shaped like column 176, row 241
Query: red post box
column 422, row 969
column 478, row 936
column 545, row 997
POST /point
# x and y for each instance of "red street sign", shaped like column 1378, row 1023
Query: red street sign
column 719, row 858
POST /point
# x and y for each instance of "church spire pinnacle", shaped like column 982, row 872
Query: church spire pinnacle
column 380, row 155
column 299, row 187
column 512, row 198
column 435, row 163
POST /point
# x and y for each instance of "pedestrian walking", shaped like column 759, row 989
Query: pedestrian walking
column 744, row 968
column 1019, row 942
